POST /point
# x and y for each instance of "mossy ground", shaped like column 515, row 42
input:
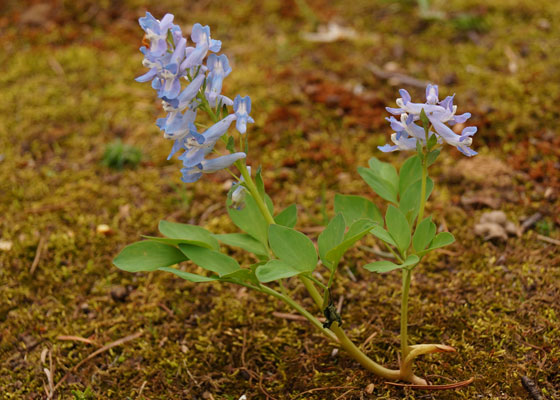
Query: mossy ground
column 67, row 90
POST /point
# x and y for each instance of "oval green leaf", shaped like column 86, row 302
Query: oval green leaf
column 398, row 227
column 210, row 260
column 292, row 247
column 147, row 256
column 190, row 234
column 354, row 208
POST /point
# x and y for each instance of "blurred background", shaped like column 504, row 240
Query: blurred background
column 83, row 172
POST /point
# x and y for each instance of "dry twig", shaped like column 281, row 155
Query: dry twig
column 78, row 339
column 548, row 240
column 37, row 255
column 531, row 387
column 434, row 387
column 396, row 77
column 93, row 355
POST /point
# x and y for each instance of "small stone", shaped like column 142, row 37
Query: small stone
column 369, row 388
column 5, row 245
column 104, row 229
column 494, row 217
column 119, row 293
column 85, row 308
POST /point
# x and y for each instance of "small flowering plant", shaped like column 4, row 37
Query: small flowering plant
column 279, row 251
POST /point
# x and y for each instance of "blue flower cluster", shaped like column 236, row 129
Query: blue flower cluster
column 440, row 113
column 170, row 60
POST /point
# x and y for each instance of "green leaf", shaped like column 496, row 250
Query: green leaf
column 147, row 255
column 425, row 121
column 259, row 182
column 410, row 201
column 191, row 234
column 411, row 171
column 188, row 275
column 331, row 237
column 269, row 204
column 358, row 230
column 432, row 141
column 171, row 242
column 384, row 170
column 432, row 156
column 241, row 275
column 292, row 247
column 231, row 144
column 210, row 260
column 398, row 227
column 287, row 217
column 382, row 234
column 244, row 241
column 420, row 150
column 249, row 219
column 277, row 269
column 442, row 239
column 385, row 189
column 386, row 266
column 425, row 232
column 354, row 208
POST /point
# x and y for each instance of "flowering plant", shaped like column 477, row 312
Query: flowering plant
column 282, row 251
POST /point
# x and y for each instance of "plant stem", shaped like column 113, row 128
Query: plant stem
column 423, row 190
column 355, row 352
column 406, row 369
column 288, row 300
column 406, row 275
column 254, row 192
column 359, row 356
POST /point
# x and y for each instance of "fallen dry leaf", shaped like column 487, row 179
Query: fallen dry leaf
column 495, row 225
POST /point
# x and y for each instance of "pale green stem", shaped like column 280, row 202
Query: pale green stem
column 406, row 275
column 406, row 368
column 288, row 300
column 364, row 360
column 355, row 352
column 423, row 191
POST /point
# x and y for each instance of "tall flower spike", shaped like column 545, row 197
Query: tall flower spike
column 169, row 60
column 242, row 109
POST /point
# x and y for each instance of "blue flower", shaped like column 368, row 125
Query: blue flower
column 156, row 32
column 219, row 68
column 242, row 109
column 168, row 82
column 402, row 142
column 192, row 174
column 461, row 142
column 204, row 43
column 439, row 113
column 187, row 95
column 197, row 145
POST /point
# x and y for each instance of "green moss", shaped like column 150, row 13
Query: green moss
column 67, row 90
